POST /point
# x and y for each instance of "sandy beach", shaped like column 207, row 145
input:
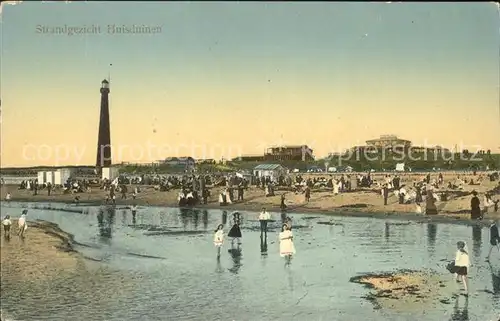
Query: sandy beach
column 361, row 202
column 44, row 263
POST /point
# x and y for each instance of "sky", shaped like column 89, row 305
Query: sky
column 223, row 79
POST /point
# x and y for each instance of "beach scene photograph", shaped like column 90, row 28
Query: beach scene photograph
column 249, row 161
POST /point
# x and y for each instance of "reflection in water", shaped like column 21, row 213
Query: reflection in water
column 263, row 245
column 134, row 218
column 476, row 241
column 431, row 234
column 236, row 255
column 460, row 314
column 105, row 221
column 196, row 218
column 224, row 217
column 218, row 267
column 495, row 280
column 163, row 218
column 290, row 279
column 184, row 217
column 386, row 232
column 124, row 217
column 205, row 219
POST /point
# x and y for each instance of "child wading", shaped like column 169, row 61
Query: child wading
column 460, row 267
column 21, row 224
column 287, row 249
column 6, row 226
column 219, row 238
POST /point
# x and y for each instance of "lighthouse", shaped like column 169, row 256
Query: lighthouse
column 104, row 138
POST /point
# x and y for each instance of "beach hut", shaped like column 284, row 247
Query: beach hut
column 42, row 177
column 400, row 167
column 49, row 178
column 61, row 176
column 272, row 170
column 110, row 173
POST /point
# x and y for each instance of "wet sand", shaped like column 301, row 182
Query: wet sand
column 403, row 290
column 44, row 252
column 44, row 262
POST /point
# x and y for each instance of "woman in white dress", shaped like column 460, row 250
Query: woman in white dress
column 336, row 187
column 287, row 249
column 228, row 197
column 219, row 238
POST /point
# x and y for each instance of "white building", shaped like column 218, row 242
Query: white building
column 55, row 177
column 272, row 170
column 110, row 173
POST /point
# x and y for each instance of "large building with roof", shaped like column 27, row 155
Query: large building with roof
column 389, row 142
column 289, row 153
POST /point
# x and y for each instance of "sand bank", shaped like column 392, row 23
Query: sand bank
column 403, row 290
column 44, row 267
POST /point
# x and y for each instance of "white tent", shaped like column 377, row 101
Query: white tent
column 400, row 167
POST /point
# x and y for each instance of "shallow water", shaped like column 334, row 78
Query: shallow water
column 172, row 254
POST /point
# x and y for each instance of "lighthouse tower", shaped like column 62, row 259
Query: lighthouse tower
column 104, row 138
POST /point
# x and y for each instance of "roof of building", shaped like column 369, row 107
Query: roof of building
column 290, row 146
column 387, row 138
column 267, row 167
column 179, row 158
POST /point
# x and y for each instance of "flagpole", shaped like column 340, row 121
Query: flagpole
column 109, row 74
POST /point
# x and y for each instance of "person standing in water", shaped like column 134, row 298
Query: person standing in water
column 235, row 231
column 21, row 224
column 287, row 249
column 219, row 238
column 494, row 239
column 264, row 217
column 7, row 223
column 134, row 213
column 462, row 264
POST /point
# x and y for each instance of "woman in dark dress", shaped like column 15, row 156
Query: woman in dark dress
column 475, row 208
column 430, row 204
column 283, row 205
column 235, row 231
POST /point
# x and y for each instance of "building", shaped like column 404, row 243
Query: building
column 208, row 161
column 436, row 149
column 389, row 142
column 289, row 153
column 104, row 136
column 185, row 162
column 274, row 171
column 249, row 158
column 57, row 177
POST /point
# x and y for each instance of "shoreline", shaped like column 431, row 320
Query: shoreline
column 444, row 218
